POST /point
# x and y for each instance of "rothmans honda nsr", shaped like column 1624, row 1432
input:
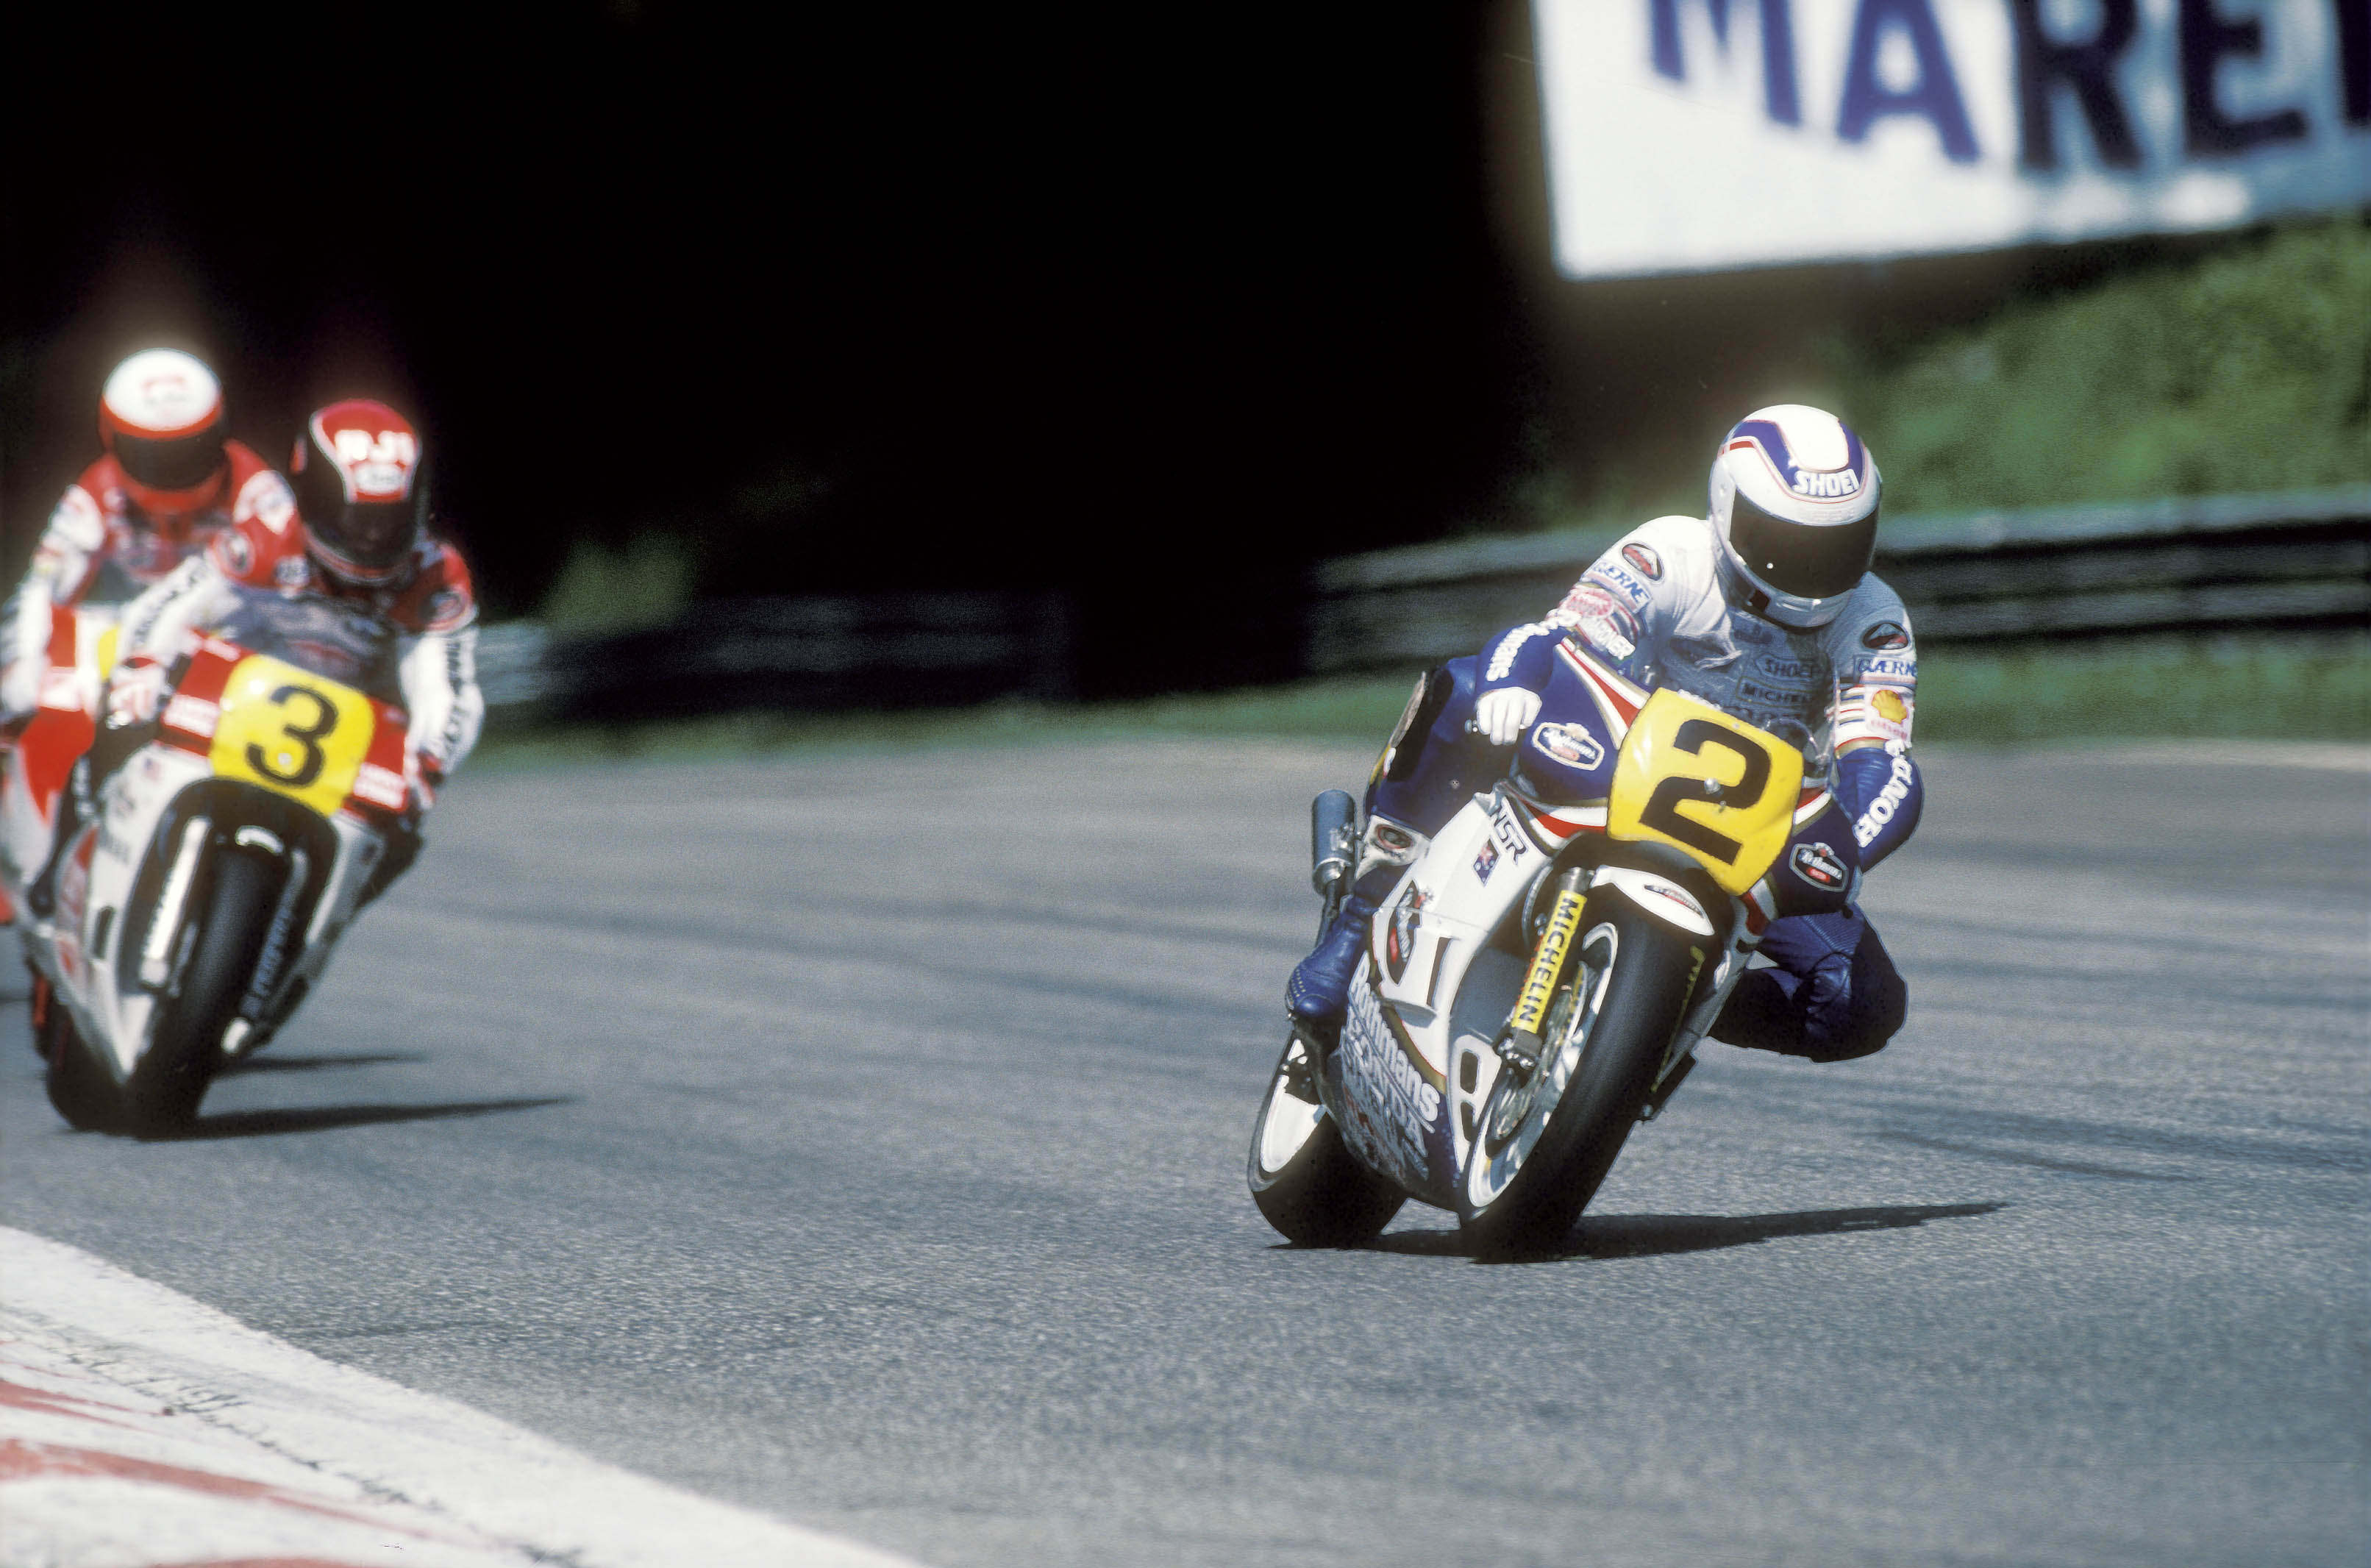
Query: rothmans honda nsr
column 198, row 902
column 1538, row 979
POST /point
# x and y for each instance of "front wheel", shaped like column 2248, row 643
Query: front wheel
column 79, row 1088
column 1547, row 1137
column 1306, row 1181
column 161, row 1097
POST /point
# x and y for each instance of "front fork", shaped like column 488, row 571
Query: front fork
column 1520, row 1043
column 1681, row 1059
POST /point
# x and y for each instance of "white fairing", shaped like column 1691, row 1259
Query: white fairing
column 24, row 831
column 1659, row 896
column 97, row 977
column 1419, row 1053
column 115, row 1014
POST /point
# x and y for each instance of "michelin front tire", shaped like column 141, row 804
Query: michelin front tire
column 1549, row 1137
column 160, row 1099
column 79, row 1087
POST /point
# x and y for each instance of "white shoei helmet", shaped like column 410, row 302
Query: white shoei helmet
column 1794, row 499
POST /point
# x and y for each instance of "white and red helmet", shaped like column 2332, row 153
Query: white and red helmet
column 360, row 492
column 160, row 416
column 1794, row 499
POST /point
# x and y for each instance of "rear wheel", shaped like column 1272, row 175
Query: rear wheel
column 1306, row 1182
column 161, row 1098
column 1547, row 1137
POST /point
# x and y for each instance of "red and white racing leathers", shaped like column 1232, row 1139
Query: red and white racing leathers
column 103, row 547
column 434, row 612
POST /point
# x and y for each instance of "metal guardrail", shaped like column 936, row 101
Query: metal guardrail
column 2297, row 560
column 903, row 650
column 2294, row 560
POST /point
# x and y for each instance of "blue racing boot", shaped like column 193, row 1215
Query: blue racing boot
column 1320, row 987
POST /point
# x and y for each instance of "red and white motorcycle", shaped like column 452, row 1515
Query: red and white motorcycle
column 200, row 899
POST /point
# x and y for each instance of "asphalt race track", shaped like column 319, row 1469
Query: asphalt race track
column 861, row 1138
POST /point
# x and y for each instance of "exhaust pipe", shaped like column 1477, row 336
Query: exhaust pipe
column 1333, row 840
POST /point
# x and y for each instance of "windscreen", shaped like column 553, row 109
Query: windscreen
column 349, row 645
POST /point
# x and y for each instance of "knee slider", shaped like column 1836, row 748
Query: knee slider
column 1874, row 1015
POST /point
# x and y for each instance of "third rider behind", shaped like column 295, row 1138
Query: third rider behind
column 1765, row 607
column 167, row 479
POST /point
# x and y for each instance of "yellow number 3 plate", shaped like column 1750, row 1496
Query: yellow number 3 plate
column 1694, row 778
column 290, row 730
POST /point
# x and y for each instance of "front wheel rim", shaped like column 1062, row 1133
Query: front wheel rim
column 1518, row 1114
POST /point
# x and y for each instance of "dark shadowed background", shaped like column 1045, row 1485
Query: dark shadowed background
column 1148, row 305
column 1151, row 307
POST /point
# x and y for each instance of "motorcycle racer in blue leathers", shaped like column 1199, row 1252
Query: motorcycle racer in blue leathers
column 1765, row 607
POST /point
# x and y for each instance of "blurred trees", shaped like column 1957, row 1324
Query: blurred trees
column 2248, row 368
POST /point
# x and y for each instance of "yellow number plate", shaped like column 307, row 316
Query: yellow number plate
column 1694, row 778
column 290, row 730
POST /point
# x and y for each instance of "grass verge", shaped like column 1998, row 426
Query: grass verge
column 2288, row 688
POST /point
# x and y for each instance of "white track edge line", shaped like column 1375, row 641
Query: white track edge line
column 499, row 1479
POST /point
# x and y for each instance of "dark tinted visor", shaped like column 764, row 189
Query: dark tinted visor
column 179, row 464
column 1814, row 559
column 370, row 533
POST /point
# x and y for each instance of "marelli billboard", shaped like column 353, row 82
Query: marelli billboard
column 1693, row 135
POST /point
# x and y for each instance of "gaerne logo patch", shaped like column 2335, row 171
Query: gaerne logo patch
column 1819, row 865
column 1885, row 636
column 1644, row 561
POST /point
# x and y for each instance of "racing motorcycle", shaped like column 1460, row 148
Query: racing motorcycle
column 1538, row 979
column 199, row 900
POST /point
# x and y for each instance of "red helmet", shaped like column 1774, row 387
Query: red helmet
column 161, row 418
column 360, row 492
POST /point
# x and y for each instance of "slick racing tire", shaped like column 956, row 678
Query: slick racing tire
column 161, row 1098
column 1548, row 1138
column 1306, row 1182
column 79, row 1088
